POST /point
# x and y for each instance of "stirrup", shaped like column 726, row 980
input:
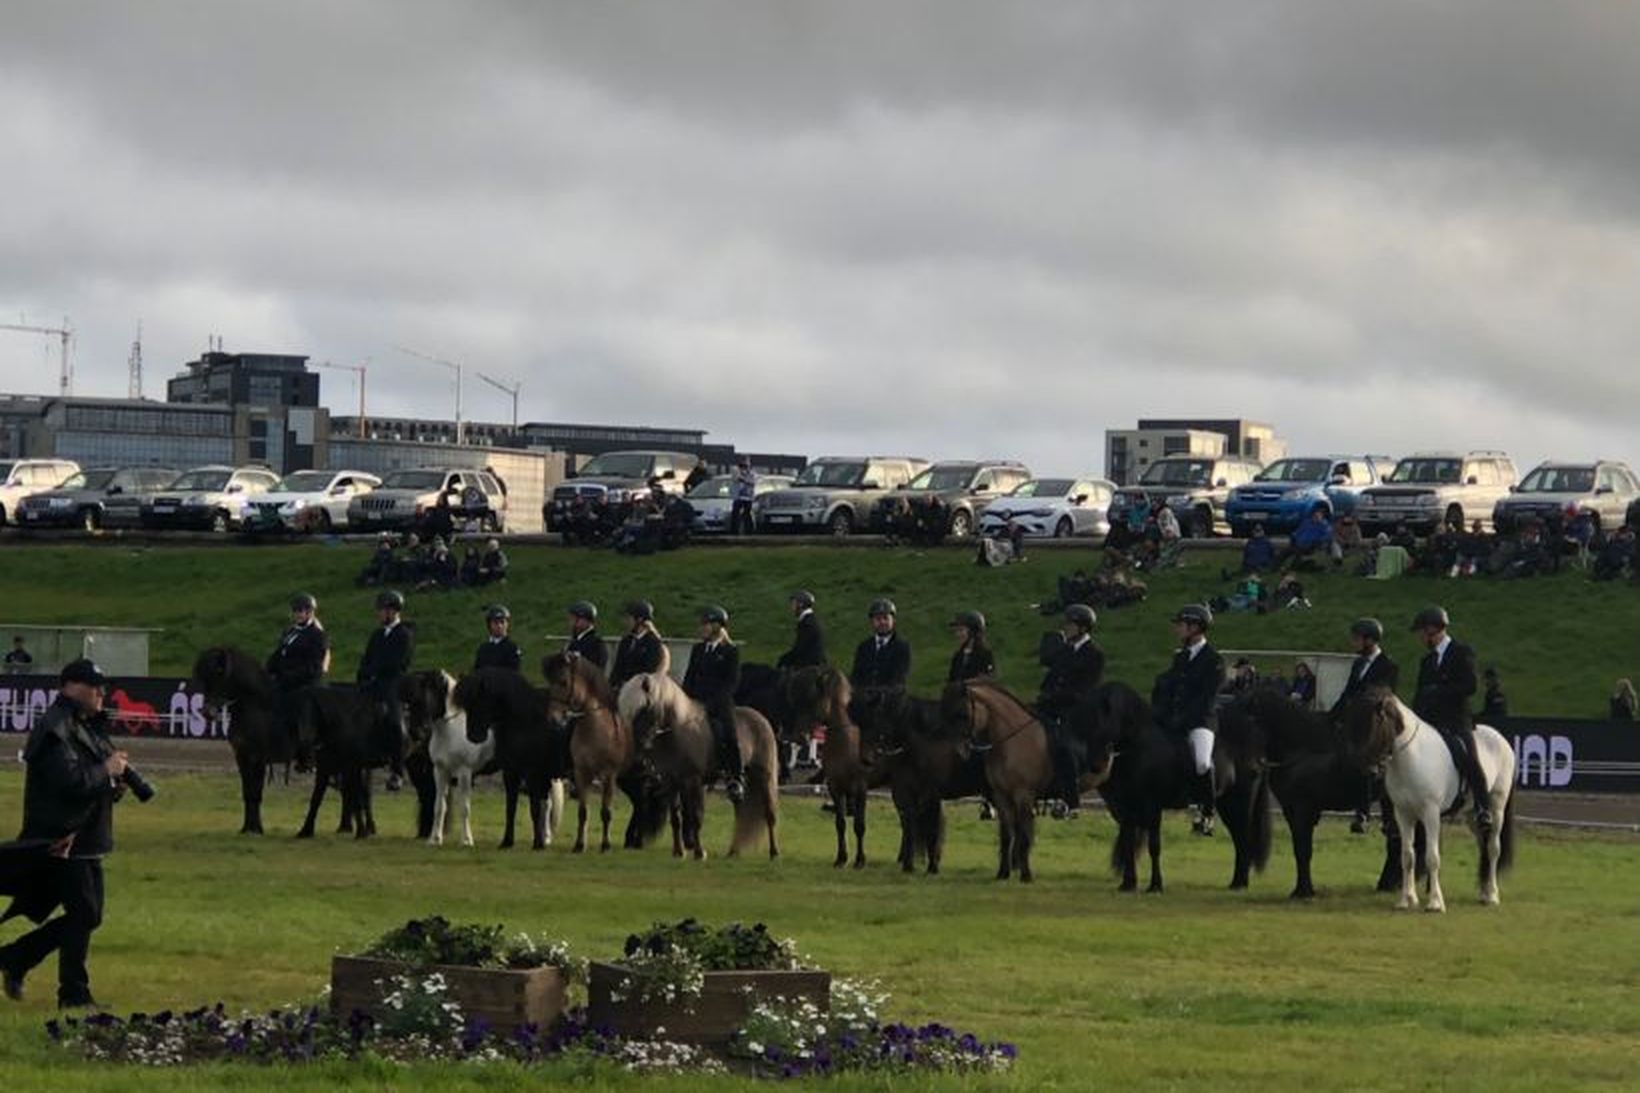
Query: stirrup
column 735, row 789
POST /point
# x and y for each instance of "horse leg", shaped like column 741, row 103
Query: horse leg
column 538, row 816
column 1303, row 829
column 464, row 782
column 1125, row 854
column 582, row 789
column 1024, row 831
column 606, row 811
column 675, row 813
column 858, row 802
column 771, row 814
column 1491, row 847
column 366, row 818
column 1234, row 810
column 252, row 775
column 1005, row 843
column 1432, row 858
column 1155, row 834
column 509, row 782
column 934, row 819
column 1407, row 825
column 693, row 814
column 839, row 817
column 907, row 856
column 441, row 805
column 321, row 781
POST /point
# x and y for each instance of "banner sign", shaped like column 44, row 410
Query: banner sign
column 1575, row 756
column 136, row 705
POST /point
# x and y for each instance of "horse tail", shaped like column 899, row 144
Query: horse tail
column 762, row 789
column 1506, row 837
column 1260, row 823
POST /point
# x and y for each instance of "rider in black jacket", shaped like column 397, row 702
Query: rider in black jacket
column 1446, row 685
column 711, row 679
column 973, row 658
column 1187, row 705
column 640, row 650
column 1372, row 668
column 298, row 662
column 882, row 662
column 499, row 650
column 584, row 640
column 1075, row 668
column 808, row 645
column 385, row 662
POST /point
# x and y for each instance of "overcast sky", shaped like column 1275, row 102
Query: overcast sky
column 940, row 228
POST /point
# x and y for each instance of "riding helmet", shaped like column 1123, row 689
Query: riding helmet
column 584, row 609
column 973, row 620
column 1082, row 615
column 803, row 598
column 642, row 610
column 881, row 606
column 714, row 613
column 1368, row 628
column 497, row 611
column 388, row 599
column 1197, row 613
column 1431, row 616
column 304, row 601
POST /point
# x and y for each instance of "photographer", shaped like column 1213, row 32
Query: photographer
column 74, row 776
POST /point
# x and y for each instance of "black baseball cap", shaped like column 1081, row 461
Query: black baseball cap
column 83, row 670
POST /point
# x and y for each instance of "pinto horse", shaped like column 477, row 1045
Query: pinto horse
column 821, row 696
column 502, row 701
column 1423, row 782
column 600, row 744
column 1151, row 771
column 436, row 725
column 672, row 735
column 1018, row 764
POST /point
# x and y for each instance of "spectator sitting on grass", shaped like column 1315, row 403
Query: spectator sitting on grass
column 1310, row 540
column 1579, row 534
column 1289, row 593
column 1494, row 706
column 1250, row 595
column 1615, row 558
column 1532, row 555
column 492, row 564
column 441, row 568
column 1473, row 549
column 469, row 566
column 1623, row 701
column 1243, row 677
column 1346, row 536
column 379, row 569
column 1258, row 555
column 1302, row 689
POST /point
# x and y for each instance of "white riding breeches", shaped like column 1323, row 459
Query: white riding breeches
column 1201, row 749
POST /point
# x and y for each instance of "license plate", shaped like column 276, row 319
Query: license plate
column 31, row 516
column 1255, row 516
column 783, row 519
column 164, row 510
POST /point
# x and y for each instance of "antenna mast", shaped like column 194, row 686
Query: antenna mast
column 134, row 366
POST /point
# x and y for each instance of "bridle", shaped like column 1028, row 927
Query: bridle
column 973, row 704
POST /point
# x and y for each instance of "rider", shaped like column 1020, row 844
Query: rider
column 1074, row 670
column 1187, row 703
column 299, row 661
column 711, row 679
column 498, row 650
column 809, row 645
column 1372, row 668
column 1446, row 684
column 973, row 658
column 640, row 650
column 583, row 634
column 882, row 662
column 385, row 662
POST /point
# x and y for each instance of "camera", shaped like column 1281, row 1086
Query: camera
column 142, row 789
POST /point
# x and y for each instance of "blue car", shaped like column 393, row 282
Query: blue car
column 1288, row 490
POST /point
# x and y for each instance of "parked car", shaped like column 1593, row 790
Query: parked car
column 1196, row 488
column 834, row 493
column 404, row 498
column 1431, row 488
column 1604, row 489
column 713, row 499
column 966, row 486
column 310, row 501
column 1284, row 494
column 207, row 498
column 613, row 479
column 96, row 498
column 20, row 478
column 1053, row 507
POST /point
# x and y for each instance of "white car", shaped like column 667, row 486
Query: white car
column 713, row 499
column 1053, row 508
column 309, row 501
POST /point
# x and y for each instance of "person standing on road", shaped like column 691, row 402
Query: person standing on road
column 299, row 661
column 498, row 650
column 584, row 640
column 742, row 492
column 385, row 662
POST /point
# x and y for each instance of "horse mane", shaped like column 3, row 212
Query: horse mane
column 584, row 670
column 235, row 669
column 499, row 685
column 1266, row 716
column 658, row 693
column 1004, row 693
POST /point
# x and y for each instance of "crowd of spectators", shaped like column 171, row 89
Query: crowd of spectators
column 426, row 565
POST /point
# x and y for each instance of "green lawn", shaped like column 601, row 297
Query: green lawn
column 1559, row 642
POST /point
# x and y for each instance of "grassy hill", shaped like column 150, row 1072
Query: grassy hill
column 1559, row 643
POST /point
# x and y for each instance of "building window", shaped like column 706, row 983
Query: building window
column 1175, row 445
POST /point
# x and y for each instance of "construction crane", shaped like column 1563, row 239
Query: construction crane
column 65, row 378
column 461, row 432
column 359, row 370
column 510, row 390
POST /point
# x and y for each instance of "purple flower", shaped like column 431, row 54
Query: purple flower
column 54, row 1030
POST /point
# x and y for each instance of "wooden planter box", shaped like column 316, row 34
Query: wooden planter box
column 503, row 997
column 710, row 1018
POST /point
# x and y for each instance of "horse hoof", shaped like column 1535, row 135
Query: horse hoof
column 435, row 841
column 1153, row 889
column 1435, row 909
column 1127, row 886
column 304, row 834
column 603, row 849
column 839, row 862
column 859, row 863
column 580, row 848
column 1301, row 893
column 933, row 870
column 1407, row 905
column 1238, row 885
column 466, row 842
column 1026, row 878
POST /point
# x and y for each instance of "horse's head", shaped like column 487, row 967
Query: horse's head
column 472, row 696
column 426, row 697
column 642, row 707
column 1242, row 729
column 962, row 715
column 1371, row 724
column 817, row 696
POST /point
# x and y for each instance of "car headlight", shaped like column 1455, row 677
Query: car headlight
column 1428, row 501
column 194, row 502
column 815, row 503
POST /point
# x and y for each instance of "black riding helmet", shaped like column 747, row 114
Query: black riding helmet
column 1082, row 615
column 1196, row 613
column 389, row 600
column 584, row 609
column 497, row 611
column 803, row 598
column 642, row 610
column 881, row 606
column 714, row 613
column 1368, row 628
column 1434, row 615
column 973, row 620
column 304, row 601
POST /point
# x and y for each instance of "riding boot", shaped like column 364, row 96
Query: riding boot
column 1479, row 792
column 1067, row 767
column 729, row 763
column 1204, row 795
column 1363, row 807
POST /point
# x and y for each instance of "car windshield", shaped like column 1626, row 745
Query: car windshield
column 413, row 480
column 89, row 480
column 942, row 478
column 202, row 481
column 1178, row 472
column 5, row 470
column 1295, row 470
column 1043, row 487
column 305, row 482
column 831, row 474
column 713, row 487
column 1426, row 470
column 618, row 465
column 1559, row 480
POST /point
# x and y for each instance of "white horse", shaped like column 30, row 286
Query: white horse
column 430, row 710
column 1423, row 782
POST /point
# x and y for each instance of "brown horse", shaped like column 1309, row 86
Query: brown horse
column 671, row 734
column 600, row 744
column 1018, row 764
column 821, row 696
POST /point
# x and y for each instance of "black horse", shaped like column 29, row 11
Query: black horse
column 1309, row 767
column 1150, row 772
column 528, row 749
column 234, row 682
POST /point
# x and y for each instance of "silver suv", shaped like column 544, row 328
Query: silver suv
column 405, row 498
column 207, row 498
column 1429, row 489
column 1604, row 490
column 20, row 478
column 965, row 486
column 834, row 493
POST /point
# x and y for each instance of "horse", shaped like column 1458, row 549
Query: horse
column 1423, row 781
column 502, row 701
column 431, row 717
column 671, row 732
column 1150, row 771
column 1018, row 764
column 337, row 726
column 1308, row 764
column 234, row 682
column 600, row 744
column 821, row 696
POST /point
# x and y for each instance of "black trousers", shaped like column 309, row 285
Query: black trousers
column 740, row 518
column 80, row 887
column 720, row 714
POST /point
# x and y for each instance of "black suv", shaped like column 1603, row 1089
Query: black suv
column 603, row 490
column 95, row 498
column 1195, row 487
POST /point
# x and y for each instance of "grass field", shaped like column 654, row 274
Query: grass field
column 1559, row 643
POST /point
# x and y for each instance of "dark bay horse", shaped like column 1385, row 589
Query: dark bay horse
column 1150, row 772
column 502, row 701
column 235, row 682
column 1018, row 763
column 821, row 696
column 600, row 744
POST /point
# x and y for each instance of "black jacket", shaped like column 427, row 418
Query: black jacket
column 1072, row 676
column 589, row 645
column 1383, row 672
column 636, row 655
column 968, row 663
column 888, row 667
column 299, row 658
column 1444, row 690
column 499, row 654
column 1188, row 692
column 386, row 657
column 808, row 647
column 66, row 788
column 713, row 674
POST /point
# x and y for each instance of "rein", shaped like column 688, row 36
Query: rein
column 968, row 693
